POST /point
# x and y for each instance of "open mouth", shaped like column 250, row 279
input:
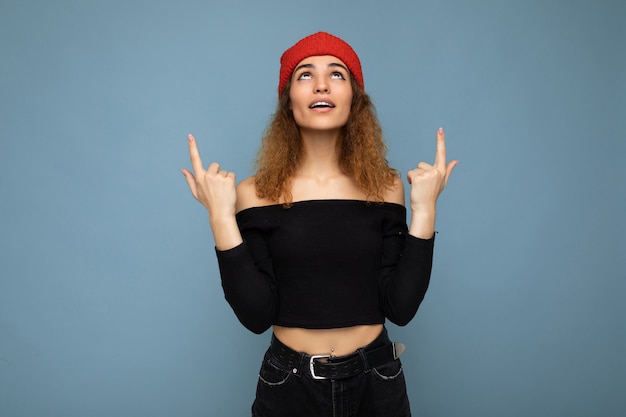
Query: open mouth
column 322, row 105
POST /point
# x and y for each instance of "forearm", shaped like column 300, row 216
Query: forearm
column 423, row 222
column 225, row 232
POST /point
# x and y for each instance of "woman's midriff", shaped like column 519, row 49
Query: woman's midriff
column 336, row 342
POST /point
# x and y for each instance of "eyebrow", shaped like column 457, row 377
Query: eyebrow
column 331, row 65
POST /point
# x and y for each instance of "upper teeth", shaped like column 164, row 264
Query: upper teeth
column 321, row 103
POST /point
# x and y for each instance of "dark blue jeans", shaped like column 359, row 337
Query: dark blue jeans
column 290, row 391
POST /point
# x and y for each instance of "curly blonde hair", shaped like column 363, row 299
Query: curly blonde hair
column 362, row 151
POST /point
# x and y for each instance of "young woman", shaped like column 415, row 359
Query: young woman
column 316, row 244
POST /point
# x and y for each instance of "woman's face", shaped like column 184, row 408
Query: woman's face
column 321, row 93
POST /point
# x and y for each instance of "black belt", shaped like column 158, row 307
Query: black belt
column 377, row 353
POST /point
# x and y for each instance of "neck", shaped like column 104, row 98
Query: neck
column 321, row 153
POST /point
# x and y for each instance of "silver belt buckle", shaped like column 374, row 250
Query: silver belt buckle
column 312, row 367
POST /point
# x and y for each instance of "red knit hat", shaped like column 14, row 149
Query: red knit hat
column 320, row 43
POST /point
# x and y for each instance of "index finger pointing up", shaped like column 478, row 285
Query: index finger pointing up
column 194, row 155
column 440, row 155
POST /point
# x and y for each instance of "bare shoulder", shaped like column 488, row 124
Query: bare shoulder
column 246, row 194
column 395, row 193
column 247, row 197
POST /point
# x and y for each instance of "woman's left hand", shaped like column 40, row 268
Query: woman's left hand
column 428, row 181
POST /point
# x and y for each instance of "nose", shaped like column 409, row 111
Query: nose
column 321, row 87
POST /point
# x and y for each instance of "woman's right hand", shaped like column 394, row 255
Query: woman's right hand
column 213, row 188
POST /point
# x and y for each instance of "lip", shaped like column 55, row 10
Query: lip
column 322, row 100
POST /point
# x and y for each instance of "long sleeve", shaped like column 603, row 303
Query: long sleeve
column 248, row 282
column 406, row 265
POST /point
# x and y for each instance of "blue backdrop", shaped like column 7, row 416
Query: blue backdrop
column 110, row 300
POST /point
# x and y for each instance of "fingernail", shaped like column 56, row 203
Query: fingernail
column 190, row 138
column 441, row 130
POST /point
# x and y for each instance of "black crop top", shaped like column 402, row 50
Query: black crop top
column 325, row 264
